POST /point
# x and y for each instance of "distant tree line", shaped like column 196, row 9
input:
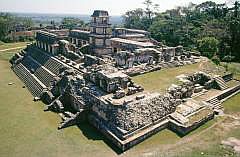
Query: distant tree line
column 210, row 28
column 9, row 23
column 71, row 23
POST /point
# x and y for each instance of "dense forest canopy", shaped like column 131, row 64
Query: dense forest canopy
column 210, row 28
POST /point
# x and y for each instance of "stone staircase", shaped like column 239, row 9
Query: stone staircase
column 46, row 60
column 215, row 104
column 44, row 76
column 222, row 84
column 32, row 83
column 69, row 119
column 29, row 64
column 53, row 65
column 39, row 56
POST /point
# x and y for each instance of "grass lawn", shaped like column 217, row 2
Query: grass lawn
column 8, row 54
column 12, row 45
column 159, row 81
column 26, row 130
column 232, row 105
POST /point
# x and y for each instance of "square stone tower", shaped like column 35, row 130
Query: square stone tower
column 100, row 33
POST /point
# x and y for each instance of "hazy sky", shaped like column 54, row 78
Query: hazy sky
column 115, row 7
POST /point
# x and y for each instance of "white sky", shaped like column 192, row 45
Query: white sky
column 115, row 7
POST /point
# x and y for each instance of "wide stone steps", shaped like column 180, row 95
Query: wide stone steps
column 29, row 64
column 38, row 56
column 69, row 119
column 53, row 65
column 222, row 84
column 215, row 103
column 31, row 82
column 46, row 60
column 44, row 76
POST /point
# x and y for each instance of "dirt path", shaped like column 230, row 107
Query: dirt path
column 14, row 48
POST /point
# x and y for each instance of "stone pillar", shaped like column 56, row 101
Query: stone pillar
column 49, row 48
column 41, row 45
column 76, row 41
column 45, row 46
column 54, row 50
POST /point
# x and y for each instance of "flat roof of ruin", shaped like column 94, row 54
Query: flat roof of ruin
column 80, row 31
column 128, row 98
column 134, row 30
column 148, row 49
column 132, row 35
column 47, row 33
column 143, row 44
column 114, row 74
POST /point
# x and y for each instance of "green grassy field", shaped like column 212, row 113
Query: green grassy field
column 232, row 105
column 159, row 81
column 12, row 45
column 26, row 130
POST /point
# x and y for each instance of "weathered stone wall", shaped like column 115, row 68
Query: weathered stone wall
column 135, row 114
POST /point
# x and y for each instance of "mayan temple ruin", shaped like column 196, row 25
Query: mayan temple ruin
column 86, row 75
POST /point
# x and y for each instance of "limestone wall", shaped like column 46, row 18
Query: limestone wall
column 135, row 114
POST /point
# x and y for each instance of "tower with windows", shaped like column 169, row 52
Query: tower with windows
column 100, row 33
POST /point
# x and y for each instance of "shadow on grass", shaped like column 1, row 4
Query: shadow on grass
column 93, row 134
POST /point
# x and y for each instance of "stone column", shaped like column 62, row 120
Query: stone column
column 44, row 46
column 76, row 41
column 41, row 43
column 49, row 48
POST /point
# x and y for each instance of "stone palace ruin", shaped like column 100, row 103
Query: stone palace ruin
column 87, row 76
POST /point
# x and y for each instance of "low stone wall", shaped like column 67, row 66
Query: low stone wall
column 123, row 145
column 127, row 118
column 183, row 130
column 228, row 92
